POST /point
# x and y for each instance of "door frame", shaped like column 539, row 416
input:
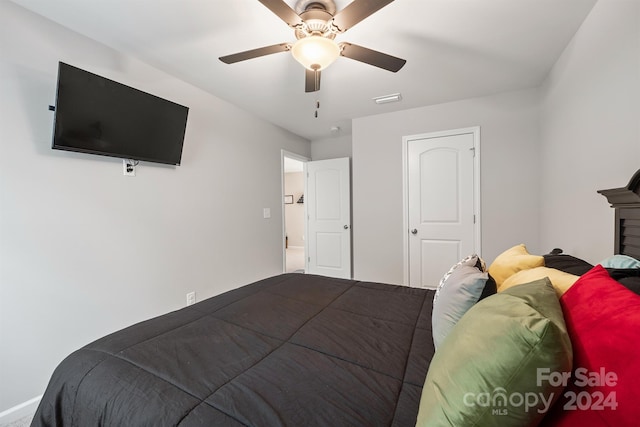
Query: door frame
column 475, row 130
column 284, row 153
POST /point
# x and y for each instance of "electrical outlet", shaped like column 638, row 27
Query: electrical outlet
column 191, row 298
column 128, row 167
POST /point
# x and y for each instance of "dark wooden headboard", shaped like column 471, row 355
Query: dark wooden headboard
column 626, row 202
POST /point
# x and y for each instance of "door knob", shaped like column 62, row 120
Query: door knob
column 414, row 231
column 346, row 227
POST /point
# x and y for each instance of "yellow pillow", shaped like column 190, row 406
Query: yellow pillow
column 511, row 261
column 560, row 280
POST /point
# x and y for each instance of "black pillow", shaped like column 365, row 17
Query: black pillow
column 628, row 277
column 490, row 287
column 567, row 263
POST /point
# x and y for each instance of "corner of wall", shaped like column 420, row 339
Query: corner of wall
column 332, row 148
column 20, row 411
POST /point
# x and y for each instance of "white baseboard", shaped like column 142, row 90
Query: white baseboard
column 20, row 411
column 296, row 247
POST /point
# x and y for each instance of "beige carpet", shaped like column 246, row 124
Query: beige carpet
column 22, row 422
column 295, row 259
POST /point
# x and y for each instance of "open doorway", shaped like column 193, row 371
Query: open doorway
column 293, row 213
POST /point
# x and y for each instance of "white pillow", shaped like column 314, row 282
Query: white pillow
column 457, row 292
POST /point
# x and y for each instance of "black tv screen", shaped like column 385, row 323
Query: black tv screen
column 100, row 116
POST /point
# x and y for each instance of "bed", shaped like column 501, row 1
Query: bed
column 305, row 350
column 293, row 349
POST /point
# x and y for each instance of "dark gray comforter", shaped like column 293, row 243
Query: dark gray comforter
column 291, row 350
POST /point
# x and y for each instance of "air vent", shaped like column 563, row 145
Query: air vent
column 395, row 97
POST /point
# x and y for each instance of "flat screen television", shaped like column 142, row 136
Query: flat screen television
column 96, row 115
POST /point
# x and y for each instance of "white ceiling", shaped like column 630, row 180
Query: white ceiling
column 455, row 49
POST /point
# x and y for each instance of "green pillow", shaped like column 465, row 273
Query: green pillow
column 486, row 371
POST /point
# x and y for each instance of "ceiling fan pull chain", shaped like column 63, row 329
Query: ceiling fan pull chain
column 317, row 108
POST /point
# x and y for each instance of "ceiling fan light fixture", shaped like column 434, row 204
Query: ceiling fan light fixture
column 315, row 52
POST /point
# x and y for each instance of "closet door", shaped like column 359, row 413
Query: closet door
column 441, row 205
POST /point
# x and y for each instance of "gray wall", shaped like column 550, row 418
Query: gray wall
column 84, row 250
column 510, row 165
column 331, row 148
column 590, row 133
column 544, row 152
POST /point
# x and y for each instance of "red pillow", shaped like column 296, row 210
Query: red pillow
column 603, row 320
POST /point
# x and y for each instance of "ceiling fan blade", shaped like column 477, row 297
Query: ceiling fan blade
column 311, row 80
column 356, row 11
column 372, row 57
column 284, row 12
column 255, row 53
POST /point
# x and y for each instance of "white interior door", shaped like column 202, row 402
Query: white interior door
column 328, row 200
column 441, row 204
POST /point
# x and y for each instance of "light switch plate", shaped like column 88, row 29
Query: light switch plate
column 266, row 213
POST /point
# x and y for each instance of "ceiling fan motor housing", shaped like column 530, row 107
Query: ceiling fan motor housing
column 304, row 5
column 316, row 22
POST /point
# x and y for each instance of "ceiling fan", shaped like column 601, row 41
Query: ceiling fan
column 316, row 25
